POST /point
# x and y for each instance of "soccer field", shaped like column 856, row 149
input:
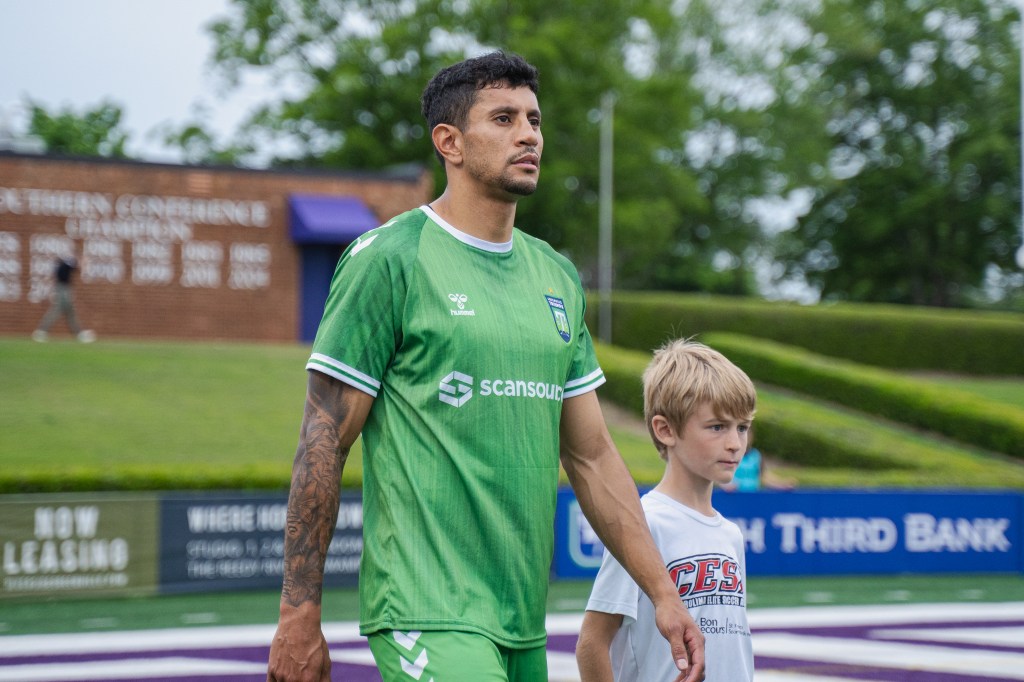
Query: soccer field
column 893, row 628
column 968, row 642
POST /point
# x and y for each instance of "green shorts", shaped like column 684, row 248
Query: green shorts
column 449, row 656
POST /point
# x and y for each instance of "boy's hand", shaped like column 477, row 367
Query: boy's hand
column 684, row 637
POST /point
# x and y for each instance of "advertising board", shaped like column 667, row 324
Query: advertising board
column 226, row 542
column 843, row 532
column 78, row 544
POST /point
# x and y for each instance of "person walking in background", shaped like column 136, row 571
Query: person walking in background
column 456, row 344
column 62, row 303
column 698, row 407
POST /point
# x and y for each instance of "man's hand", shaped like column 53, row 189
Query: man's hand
column 684, row 637
column 299, row 650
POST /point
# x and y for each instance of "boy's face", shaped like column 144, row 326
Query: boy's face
column 711, row 445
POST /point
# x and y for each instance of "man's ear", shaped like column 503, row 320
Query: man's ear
column 663, row 430
column 448, row 142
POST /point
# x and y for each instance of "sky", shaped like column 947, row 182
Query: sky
column 150, row 57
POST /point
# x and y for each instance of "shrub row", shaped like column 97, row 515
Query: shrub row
column 961, row 416
column 806, row 435
column 139, row 478
column 904, row 337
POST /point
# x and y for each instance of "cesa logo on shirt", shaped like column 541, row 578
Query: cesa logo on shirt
column 708, row 579
column 456, row 389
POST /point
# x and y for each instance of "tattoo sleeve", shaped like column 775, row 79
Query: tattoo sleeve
column 315, row 488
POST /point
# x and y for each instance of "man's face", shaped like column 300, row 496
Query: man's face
column 503, row 142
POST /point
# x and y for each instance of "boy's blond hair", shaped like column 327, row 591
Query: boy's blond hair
column 685, row 374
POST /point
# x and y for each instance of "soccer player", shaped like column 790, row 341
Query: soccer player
column 698, row 407
column 455, row 343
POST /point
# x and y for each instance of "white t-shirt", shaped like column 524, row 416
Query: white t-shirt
column 704, row 555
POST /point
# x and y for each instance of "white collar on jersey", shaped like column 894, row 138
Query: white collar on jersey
column 495, row 247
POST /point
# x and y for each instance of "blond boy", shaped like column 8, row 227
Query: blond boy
column 698, row 407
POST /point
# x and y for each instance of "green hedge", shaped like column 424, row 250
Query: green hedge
column 904, row 337
column 802, row 434
column 833, row 445
column 134, row 478
column 965, row 417
column 623, row 372
column 810, row 435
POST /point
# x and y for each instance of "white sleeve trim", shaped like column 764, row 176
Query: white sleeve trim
column 339, row 370
column 584, row 384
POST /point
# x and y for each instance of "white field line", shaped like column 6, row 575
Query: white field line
column 127, row 669
column 219, row 637
column 940, row 659
column 339, row 632
column 1010, row 636
column 774, row 676
column 839, row 616
column 1003, row 665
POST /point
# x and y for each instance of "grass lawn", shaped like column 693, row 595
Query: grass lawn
column 157, row 415
column 150, row 409
column 117, row 415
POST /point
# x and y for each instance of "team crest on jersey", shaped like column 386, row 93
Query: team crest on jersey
column 561, row 319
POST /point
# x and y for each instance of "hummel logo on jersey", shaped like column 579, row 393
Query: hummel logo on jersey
column 456, row 389
column 460, row 302
column 361, row 244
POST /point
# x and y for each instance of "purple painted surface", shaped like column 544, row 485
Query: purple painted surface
column 804, row 664
column 860, row 672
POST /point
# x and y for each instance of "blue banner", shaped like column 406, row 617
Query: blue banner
column 817, row 532
column 236, row 541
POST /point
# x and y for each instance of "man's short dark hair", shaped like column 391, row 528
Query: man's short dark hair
column 450, row 94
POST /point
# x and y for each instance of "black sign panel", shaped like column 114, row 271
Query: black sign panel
column 236, row 541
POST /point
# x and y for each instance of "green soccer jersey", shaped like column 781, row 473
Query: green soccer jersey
column 469, row 349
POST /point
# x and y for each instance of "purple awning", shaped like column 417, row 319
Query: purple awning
column 328, row 219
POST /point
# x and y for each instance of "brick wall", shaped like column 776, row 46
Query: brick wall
column 167, row 251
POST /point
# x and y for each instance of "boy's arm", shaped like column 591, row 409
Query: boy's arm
column 607, row 495
column 592, row 650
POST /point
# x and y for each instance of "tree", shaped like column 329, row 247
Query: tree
column 918, row 197
column 359, row 69
column 198, row 146
column 94, row 132
column 897, row 117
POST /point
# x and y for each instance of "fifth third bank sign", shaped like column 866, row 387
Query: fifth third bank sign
column 846, row 532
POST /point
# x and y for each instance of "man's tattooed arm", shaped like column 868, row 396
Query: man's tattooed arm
column 334, row 415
